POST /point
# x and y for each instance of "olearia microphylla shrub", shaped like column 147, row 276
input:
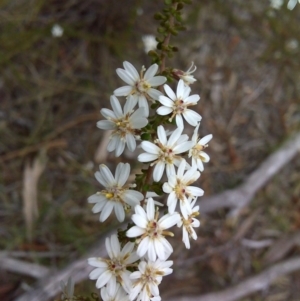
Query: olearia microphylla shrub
column 153, row 115
column 149, row 113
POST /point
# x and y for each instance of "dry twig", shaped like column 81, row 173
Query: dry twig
column 22, row 267
column 249, row 286
column 241, row 196
column 49, row 287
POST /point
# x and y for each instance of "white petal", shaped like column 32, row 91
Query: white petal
column 135, row 231
column 123, row 91
column 103, row 279
column 170, row 170
column 159, row 249
column 98, row 207
column 139, row 221
column 151, row 71
column 191, row 175
column 192, row 117
column 167, row 188
column 143, row 103
column 196, row 223
column 151, row 252
column 204, row 156
column 180, row 89
column 143, row 246
column 145, row 157
column 200, row 165
column 115, row 245
column 95, row 274
column 163, row 111
column 130, row 104
column 131, row 143
column 170, row 92
column 186, row 93
column 181, row 168
column 125, row 77
column 169, row 220
column 138, row 119
column 140, row 211
column 108, row 113
column 150, row 147
column 172, row 202
column 106, row 125
column 131, row 70
column 108, row 247
column 97, row 262
column 132, row 197
column 183, row 147
column 156, row 81
column 154, row 94
column 195, row 191
column 158, row 171
column 106, row 211
column 119, row 211
column 120, row 146
column 95, row 198
column 205, row 139
column 179, row 121
column 166, row 101
column 102, row 180
column 167, row 246
column 150, row 209
column 161, row 133
column 174, row 137
column 116, row 106
column 192, row 99
column 185, row 238
column 107, row 175
column 122, row 173
column 112, row 143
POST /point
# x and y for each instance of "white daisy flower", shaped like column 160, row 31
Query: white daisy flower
column 152, row 231
column 188, row 224
column 186, row 76
column 164, row 152
column 111, row 293
column 146, row 280
column 115, row 195
column 125, row 125
column 196, row 152
column 178, row 189
column 177, row 105
column 114, row 270
column 140, row 86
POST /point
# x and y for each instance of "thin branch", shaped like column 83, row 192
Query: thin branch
column 249, row 286
column 58, row 143
column 242, row 195
column 79, row 270
column 22, row 267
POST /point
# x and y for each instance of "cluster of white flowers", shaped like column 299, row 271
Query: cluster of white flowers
column 138, row 259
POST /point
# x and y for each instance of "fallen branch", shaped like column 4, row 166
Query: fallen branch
column 249, row 286
column 59, row 143
column 235, row 198
column 22, row 267
column 242, row 195
column 79, row 270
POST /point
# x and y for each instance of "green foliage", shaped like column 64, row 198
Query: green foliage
column 170, row 21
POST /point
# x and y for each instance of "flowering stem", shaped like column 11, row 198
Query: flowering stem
column 166, row 42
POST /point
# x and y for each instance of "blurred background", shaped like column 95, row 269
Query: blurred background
column 58, row 61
